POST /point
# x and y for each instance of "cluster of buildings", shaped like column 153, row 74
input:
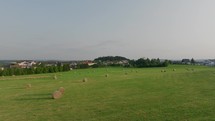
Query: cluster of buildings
column 74, row 64
column 122, row 62
column 22, row 64
column 30, row 64
column 205, row 62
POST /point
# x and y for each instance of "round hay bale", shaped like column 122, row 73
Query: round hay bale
column 106, row 75
column 174, row 69
column 28, row 86
column 61, row 89
column 163, row 70
column 55, row 77
column 56, row 95
column 85, row 80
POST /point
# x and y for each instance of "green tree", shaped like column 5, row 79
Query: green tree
column 192, row 61
column 66, row 67
column 38, row 70
column 51, row 69
column 165, row 63
column 55, row 69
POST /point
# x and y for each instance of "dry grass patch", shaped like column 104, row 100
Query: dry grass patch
column 23, row 77
column 28, row 86
column 55, row 77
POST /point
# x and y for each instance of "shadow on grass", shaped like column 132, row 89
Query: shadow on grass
column 34, row 97
column 18, row 88
column 14, row 88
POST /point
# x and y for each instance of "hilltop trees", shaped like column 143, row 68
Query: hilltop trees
column 122, row 61
column 110, row 58
column 113, row 61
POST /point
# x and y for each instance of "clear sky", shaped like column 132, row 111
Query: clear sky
column 86, row 29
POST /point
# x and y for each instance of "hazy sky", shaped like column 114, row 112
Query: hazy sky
column 86, row 29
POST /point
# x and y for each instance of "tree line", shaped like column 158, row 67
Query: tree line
column 141, row 63
column 34, row 70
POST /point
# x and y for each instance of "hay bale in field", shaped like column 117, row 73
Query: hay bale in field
column 106, row 75
column 163, row 70
column 61, row 89
column 85, row 80
column 174, row 69
column 56, row 95
column 55, row 77
column 28, row 86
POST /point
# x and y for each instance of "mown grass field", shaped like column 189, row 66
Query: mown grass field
column 187, row 94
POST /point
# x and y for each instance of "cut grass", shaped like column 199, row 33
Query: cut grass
column 148, row 95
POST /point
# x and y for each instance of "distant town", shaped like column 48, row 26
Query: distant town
column 101, row 61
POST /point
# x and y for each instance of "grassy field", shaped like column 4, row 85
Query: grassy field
column 127, row 94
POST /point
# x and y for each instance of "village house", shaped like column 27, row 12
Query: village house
column 88, row 62
column 123, row 62
column 185, row 61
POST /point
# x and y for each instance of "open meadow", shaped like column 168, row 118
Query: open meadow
column 175, row 93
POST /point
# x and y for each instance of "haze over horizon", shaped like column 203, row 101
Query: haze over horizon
column 83, row 29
